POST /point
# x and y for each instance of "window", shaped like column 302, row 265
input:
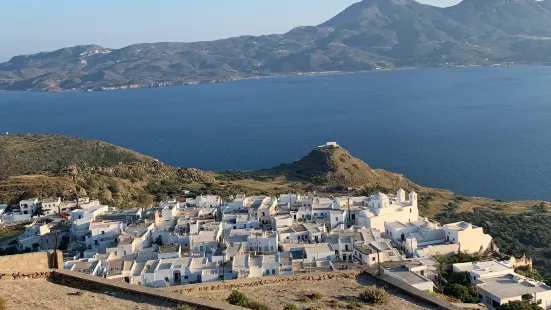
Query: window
column 267, row 272
column 373, row 259
column 186, row 277
column 480, row 297
column 124, row 252
column 273, row 271
column 488, row 300
column 103, row 232
column 538, row 302
column 336, row 219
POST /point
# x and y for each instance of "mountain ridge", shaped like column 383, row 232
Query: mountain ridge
column 368, row 35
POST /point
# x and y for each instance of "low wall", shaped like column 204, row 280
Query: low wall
column 86, row 282
column 30, row 263
column 254, row 282
column 382, row 280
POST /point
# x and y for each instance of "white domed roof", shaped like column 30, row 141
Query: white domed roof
column 380, row 196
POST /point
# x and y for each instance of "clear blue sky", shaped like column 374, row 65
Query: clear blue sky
column 30, row 26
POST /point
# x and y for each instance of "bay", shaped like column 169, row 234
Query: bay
column 477, row 131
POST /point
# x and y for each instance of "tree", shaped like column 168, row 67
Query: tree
column 461, row 292
column 39, row 210
column 159, row 241
column 527, row 298
column 519, row 305
column 145, row 201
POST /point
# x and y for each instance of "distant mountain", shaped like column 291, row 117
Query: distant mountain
column 369, row 35
column 335, row 167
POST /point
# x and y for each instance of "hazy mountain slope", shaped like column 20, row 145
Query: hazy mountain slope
column 368, row 35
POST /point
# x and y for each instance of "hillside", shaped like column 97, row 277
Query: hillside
column 37, row 153
column 335, row 167
column 369, row 35
column 51, row 165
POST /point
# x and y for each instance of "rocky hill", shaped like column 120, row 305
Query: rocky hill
column 51, row 165
column 36, row 154
column 335, row 167
column 368, row 35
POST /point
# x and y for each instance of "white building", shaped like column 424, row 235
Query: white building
column 82, row 217
column 50, row 206
column 208, row 201
column 102, row 233
column 262, row 241
column 381, row 209
column 28, row 206
column 497, row 291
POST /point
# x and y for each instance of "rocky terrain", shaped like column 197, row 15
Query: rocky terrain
column 369, row 35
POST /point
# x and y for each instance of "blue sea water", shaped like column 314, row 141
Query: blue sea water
column 477, row 131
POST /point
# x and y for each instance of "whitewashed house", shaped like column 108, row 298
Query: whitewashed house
column 28, row 206
column 102, row 233
column 50, row 206
column 262, row 241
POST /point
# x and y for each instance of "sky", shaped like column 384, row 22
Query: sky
column 31, row 26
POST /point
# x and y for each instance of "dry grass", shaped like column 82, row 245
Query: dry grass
column 331, row 292
column 44, row 295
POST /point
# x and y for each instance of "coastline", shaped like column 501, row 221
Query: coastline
column 258, row 77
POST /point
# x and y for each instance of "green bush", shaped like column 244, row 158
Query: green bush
column 374, row 295
column 237, row 298
column 466, row 293
column 254, row 305
column 290, row 307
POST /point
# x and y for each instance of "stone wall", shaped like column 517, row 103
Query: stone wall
column 254, row 282
column 383, row 280
column 30, row 263
column 86, row 282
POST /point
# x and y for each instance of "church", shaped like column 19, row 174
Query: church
column 380, row 209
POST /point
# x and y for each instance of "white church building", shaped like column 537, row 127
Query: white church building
column 381, row 209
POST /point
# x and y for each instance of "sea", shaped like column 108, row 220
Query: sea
column 478, row 131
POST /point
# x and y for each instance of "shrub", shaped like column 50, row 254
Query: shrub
column 315, row 295
column 237, row 298
column 290, row 307
column 374, row 295
column 254, row 305
column 184, row 307
column 353, row 305
column 335, row 304
column 3, row 305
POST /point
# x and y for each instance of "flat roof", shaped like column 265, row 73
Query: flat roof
column 408, row 276
column 169, row 248
column 512, row 286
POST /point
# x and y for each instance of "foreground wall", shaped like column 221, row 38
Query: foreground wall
column 87, row 282
column 30, row 263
